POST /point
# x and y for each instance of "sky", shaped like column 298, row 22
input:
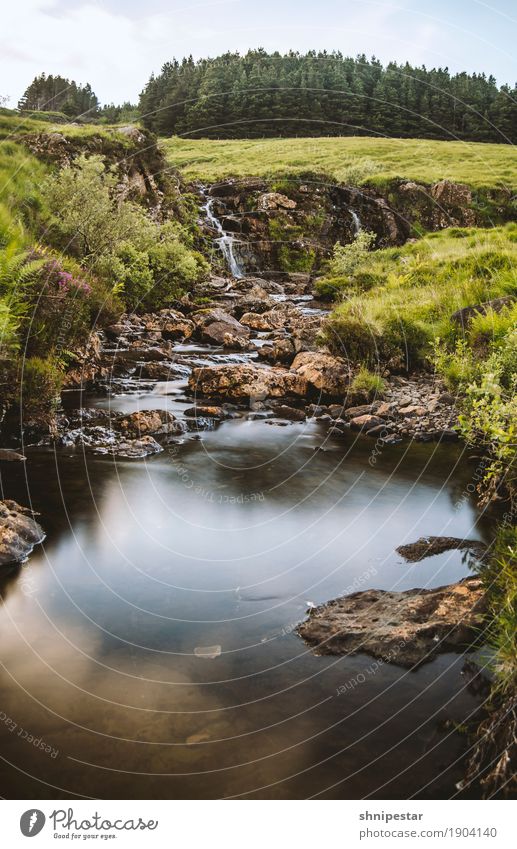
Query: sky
column 116, row 44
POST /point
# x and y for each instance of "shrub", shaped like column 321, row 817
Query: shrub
column 489, row 419
column 367, row 385
column 145, row 262
column 346, row 259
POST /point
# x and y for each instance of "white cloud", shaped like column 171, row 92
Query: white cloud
column 115, row 45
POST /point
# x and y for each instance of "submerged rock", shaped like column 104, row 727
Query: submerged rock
column 19, row 533
column 10, row 456
column 424, row 547
column 132, row 449
column 407, row 628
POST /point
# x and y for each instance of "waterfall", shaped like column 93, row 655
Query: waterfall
column 224, row 241
column 357, row 222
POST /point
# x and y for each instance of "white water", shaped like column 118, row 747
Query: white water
column 357, row 222
column 224, row 242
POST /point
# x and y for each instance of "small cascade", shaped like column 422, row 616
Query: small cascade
column 224, row 241
column 357, row 222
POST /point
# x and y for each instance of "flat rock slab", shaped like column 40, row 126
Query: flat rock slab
column 429, row 546
column 19, row 533
column 407, row 628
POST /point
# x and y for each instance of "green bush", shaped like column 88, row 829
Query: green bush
column 144, row 262
column 367, row 385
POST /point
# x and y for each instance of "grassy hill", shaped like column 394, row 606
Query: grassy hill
column 354, row 159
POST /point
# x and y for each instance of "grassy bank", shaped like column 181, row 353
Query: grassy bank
column 395, row 308
column 354, row 160
column 396, row 302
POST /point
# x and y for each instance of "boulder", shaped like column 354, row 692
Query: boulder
column 132, row 449
column 407, row 628
column 175, row 326
column 366, row 422
column 9, row 456
column 274, row 200
column 451, row 194
column 207, row 412
column 265, row 321
column 325, row 374
column 465, row 315
column 144, row 422
column 279, row 351
column 19, row 533
column 246, row 382
column 163, row 371
column 219, row 328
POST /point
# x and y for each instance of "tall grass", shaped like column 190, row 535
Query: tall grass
column 356, row 160
column 410, row 293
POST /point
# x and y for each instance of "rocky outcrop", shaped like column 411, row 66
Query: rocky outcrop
column 293, row 227
column 140, row 166
column 19, row 533
column 407, row 628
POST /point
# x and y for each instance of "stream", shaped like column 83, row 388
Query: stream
column 149, row 645
column 150, row 641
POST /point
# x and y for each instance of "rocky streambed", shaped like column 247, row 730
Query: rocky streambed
column 252, row 350
column 254, row 346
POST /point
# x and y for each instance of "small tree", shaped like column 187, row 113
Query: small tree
column 346, row 259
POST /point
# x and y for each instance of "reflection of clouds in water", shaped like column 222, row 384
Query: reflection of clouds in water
column 149, row 574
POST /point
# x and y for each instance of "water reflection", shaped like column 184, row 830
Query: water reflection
column 222, row 544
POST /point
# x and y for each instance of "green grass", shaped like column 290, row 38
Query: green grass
column 13, row 126
column 21, row 176
column 411, row 292
column 354, row 160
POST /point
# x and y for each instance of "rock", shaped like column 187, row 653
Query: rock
column 465, row 315
column 367, row 422
column 362, row 410
column 446, row 436
column 274, row 200
column 219, row 328
column 407, row 628
column 412, row 410
column 133, row 449
column 9, row 456
column 132, row 133
column 455, row 195
column 424, row 547
column 246, row 382
column 175, row 326
column 271, row 320
column 163, row 371
column 386, row 408
column 19, row 533
column 279, row 351
column 207, row 412
column 324, row 373
column 145, row 422
column 291, row 413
